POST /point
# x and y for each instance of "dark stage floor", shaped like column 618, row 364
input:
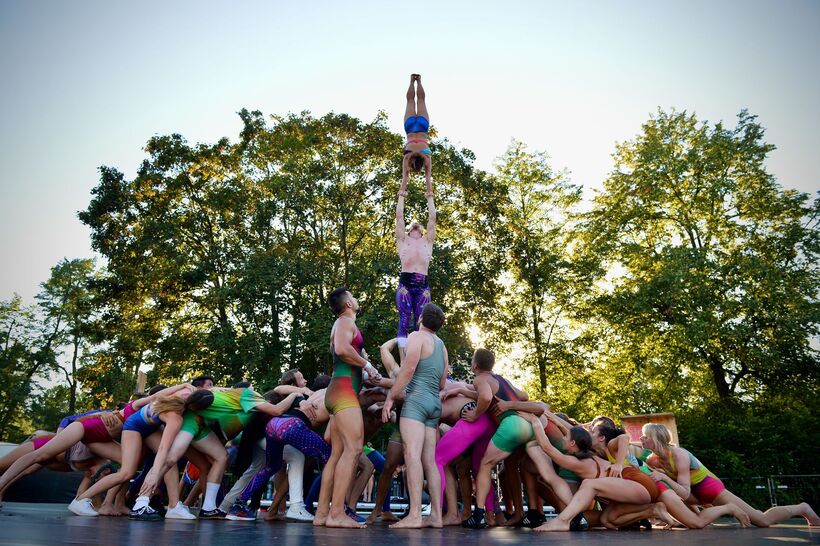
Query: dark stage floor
column 49, row 524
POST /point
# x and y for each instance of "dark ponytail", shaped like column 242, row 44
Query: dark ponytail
column 583, row 441
column 610, row 433
column 199, row 400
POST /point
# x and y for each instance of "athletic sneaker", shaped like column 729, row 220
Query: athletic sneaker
column 476, row 521
column 216, row 513
column 297, row 512
column 353, row 515
column 180, row 511
column 83, row 508
column 146, row 513
column 579, row 523
column 533, row 519
column 240, row 512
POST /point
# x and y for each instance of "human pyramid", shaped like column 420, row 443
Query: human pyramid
column 448, row 433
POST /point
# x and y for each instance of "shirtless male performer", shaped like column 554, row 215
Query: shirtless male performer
column 415, row 251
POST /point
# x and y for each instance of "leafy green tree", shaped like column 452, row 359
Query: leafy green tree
column 220, row 257
column 66, row 303
column 716, row 264
column 22, row 358
column 537, row 235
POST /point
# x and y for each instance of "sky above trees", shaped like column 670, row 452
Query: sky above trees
column 87, row 84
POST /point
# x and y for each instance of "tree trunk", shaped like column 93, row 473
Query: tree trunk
column 718, row 374
column 72, row 401
column 539, row 353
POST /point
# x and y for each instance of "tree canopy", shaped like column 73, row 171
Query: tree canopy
column 690, row 279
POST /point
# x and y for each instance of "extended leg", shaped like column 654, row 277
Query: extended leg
column 431, row 472
column 395, row 457
column 350, row 429
column 410, row 107
column 412, row 433
column 421, row 104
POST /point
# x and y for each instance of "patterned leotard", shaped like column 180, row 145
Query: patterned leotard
column 343, row 391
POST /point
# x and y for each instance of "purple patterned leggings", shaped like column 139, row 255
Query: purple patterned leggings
column 279, row 432
column 412, row 295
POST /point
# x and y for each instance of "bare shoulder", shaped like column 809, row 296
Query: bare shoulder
column 320, row 394
column 485, row 379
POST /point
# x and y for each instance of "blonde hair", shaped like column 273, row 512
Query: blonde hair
column 660, row 436
column 173, row 404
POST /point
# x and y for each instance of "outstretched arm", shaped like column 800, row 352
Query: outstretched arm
column 619, row 447
column 446, row 371
column 389, row 362
column 285, row 390
column 562, row 425
column 431, row 213
column 567, row 461
column 483, row 400
column 536, row 408
column 275, row 410
column 408, row 368
column 680, row 484
column 400, row 232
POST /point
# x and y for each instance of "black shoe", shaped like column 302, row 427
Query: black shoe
column 157, row 504
column 476, row 521
column 216, row 513
column 579, row 523
column 146, row 513
column 533, row 519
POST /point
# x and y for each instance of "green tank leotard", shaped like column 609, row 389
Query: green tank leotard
column 423, row 402
column 513, row 430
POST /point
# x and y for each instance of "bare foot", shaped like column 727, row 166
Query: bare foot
column 451, row 518
column 430, row 522
column 343, row 522
column 659, row 512
column 374, row 515
column 410, row 522
column 109, row 510
column 320, row 519
column 740, row 515
column 515, row 518
column 389, row 516
column 809, row 514
column 557, row 524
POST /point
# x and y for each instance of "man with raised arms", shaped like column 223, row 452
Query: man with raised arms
column 415, row 251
